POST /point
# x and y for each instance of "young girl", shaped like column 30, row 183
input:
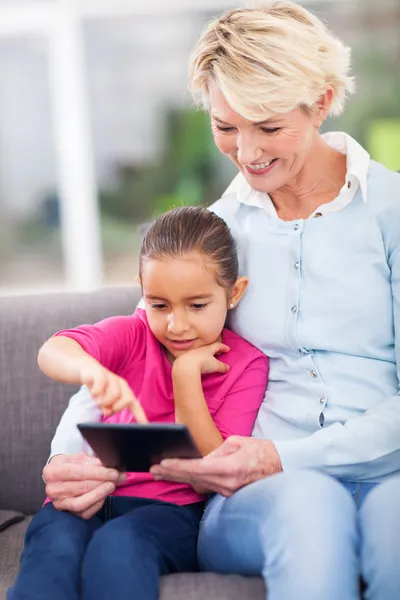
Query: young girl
column 158, row 365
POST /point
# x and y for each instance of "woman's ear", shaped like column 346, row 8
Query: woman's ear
column 323, row 106
column 138, row 280
column 238, row 289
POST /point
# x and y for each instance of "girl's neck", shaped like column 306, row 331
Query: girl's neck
column 319, row 182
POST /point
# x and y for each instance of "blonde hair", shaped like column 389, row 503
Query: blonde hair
column 270, row 59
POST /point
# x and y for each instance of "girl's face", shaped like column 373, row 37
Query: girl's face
column 270, row 154
column 185, row 305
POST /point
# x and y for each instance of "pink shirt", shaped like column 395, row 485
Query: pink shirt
column 126, row 346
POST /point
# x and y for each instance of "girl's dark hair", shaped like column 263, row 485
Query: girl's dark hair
column 193, row 229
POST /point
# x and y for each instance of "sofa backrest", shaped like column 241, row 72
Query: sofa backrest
column 30, row 403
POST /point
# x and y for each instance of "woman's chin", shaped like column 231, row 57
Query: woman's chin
column 265, row 185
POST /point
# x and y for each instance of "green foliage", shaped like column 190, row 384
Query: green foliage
column 187, row 173
column 377, row 97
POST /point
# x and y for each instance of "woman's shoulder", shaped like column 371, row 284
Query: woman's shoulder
column 383, row 188
column 383, row 200
column 240, row 349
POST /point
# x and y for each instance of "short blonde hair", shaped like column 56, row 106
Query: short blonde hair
column 270, row 59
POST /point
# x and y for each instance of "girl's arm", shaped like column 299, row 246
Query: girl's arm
column 92, row 355
column 191, row 408
column 237, row 411
column 64, row 359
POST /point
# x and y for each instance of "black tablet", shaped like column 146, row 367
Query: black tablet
column 135, row 448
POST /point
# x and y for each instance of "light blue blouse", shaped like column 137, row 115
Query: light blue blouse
column 324, row 305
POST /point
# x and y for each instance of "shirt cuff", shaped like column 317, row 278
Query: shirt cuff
column 304, row 453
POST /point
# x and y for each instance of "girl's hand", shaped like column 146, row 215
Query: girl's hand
column 111, row 392
column 202, row 359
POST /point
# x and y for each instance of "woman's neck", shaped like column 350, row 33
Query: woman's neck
column 319, row 182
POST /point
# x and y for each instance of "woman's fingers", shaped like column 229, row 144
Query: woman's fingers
column 230, row 446
column 90, row 512
column 85, row 502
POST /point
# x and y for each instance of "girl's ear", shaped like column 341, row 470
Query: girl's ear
column 238, row 289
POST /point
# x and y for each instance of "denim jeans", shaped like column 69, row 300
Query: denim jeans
column 120, row 553
column 310, row 536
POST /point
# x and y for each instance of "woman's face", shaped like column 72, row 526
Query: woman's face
column 270, row 154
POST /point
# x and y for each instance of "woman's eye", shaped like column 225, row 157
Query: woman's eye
column 198, row 306
column 225, row 129
column 271, row 130
column 158, row 306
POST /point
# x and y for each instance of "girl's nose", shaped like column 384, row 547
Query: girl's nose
column 177, row 323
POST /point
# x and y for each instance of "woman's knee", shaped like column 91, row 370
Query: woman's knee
column 287, row 515
column 379, row 522
column 302, row 495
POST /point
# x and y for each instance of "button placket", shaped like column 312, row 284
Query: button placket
column 294, row 230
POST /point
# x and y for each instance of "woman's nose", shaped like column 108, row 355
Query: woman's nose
column 247, row 150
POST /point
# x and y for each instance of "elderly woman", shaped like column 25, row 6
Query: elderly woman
column 312, row 501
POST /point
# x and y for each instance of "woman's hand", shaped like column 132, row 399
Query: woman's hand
column 202, row 360
column 111, row 392
column 236, row 463
column 79, row 483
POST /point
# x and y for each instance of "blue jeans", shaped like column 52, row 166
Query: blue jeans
column 308, row 537
column 120, row 553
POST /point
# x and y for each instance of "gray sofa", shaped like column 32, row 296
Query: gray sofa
column 30, row 408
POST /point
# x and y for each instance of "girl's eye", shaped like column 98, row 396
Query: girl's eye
column 271, row 130
column 158, row 306
column 225, row 129
column 198, row 306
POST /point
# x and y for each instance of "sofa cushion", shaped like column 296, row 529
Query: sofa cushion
column 183, row 586
column 30, row 403
column 11, row 543
column 202, row 586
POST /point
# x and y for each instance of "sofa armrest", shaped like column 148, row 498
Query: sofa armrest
column 9, row 517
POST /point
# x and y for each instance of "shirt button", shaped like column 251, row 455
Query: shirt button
column 296, row 265
column 318, row 214
column 349, row 184
column 296, row 227
column 294, row 309
column 322, row 401
column 314, row 374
